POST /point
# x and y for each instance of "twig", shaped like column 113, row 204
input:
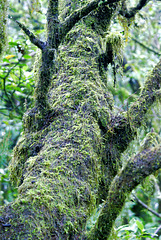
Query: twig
column 32, row 37
column 156, row 231
column 144, row 46
column 146, row 207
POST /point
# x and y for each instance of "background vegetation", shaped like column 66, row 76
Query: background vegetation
column 142, row 51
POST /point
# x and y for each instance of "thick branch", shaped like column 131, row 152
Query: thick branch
column 80, row 13
column 148, row 96
column 123, row 129
column 138, row 168
column 32, row 37
column 53, row 24
column 132, row 11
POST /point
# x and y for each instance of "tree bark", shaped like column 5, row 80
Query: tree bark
column 67, row 161
column 3, row 21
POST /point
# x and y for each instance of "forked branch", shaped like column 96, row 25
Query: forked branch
column 57, row 30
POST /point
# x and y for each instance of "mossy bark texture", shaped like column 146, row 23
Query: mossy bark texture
column 67, row 161
column 3, row 22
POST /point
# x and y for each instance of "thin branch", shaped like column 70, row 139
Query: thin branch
column 78, row 14
column 4, row 83
column 156, row 231
column 138, row 168
column 146, row 47
column 37, row 42
column 132, row 11
column 146, row 206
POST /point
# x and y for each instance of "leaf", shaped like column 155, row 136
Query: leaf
column 13, row 43
column 140, row 225
column 27, row 56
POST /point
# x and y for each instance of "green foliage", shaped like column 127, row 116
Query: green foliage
column 16, row 92
column 7, row 192
column 16, row 81
column 134, row 230
column 93, row 218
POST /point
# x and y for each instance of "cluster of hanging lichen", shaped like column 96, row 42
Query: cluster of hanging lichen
column 3, row 20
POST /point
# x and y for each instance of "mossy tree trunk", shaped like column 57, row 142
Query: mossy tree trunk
column 67, row 161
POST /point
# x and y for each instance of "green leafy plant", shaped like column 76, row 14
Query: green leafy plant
column 134, row 230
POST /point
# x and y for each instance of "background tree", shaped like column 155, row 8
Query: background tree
column 68, row 160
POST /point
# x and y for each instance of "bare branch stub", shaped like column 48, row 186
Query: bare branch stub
column 37, row 42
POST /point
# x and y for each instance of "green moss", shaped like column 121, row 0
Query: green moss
column 58, row 166
column 151, row 140
column 61, row 159
column 114, row 42
column 125, row 23
column 3, row 20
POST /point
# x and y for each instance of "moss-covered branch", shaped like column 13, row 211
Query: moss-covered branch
column 72, row 140
column 150, row 93
column 53, row 38
column 132, row 11
column 122, row 129
column 137, row 169
column 78, row 14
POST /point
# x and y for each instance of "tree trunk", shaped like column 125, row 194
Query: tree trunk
column 67, row 161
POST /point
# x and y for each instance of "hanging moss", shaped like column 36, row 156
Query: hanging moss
column 125, row 23
column 114, row 43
